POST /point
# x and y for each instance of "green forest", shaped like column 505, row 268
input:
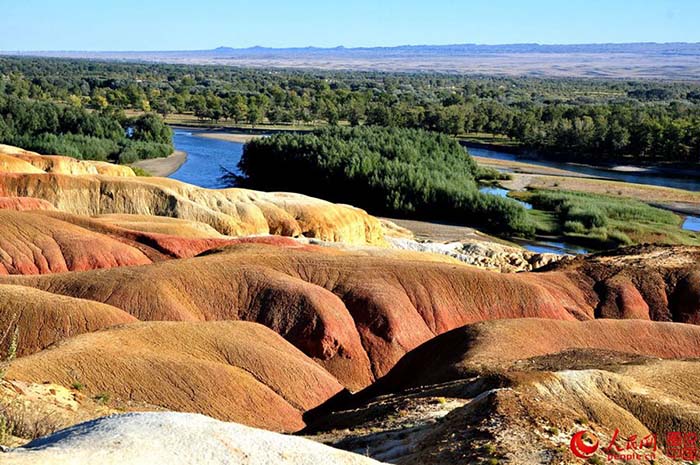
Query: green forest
column 55, row 128
column 591, row 119
column 407, row 173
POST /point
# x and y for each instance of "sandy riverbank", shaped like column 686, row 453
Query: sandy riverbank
column 526, row 168
column 666, row 197
column 163, row 167
column 230, row 137
column 527, row 175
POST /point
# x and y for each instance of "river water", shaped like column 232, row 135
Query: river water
column 207, row 160
column 649, row 177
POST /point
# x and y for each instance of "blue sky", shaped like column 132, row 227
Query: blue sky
column 204, row 24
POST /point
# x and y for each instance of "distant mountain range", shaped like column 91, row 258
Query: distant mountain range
column 469, row 49
column 644, row 60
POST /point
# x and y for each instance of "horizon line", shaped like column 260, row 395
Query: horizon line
column 364, row 47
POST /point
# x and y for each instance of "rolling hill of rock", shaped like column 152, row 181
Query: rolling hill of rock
column 232, row 212
column 515, row 391
column 17, row 160
column 162, row 225
column 175, row 439
column 501, row 344
column 34, row 244
column 99, row 188
column 40, row 318
column 356, row 314
column 645, row 281
column 533, row 418
column 128, row 293
column 234, row 371
column 42, row 242
column 24, row 203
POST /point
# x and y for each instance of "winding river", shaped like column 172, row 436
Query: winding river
column 207, row 159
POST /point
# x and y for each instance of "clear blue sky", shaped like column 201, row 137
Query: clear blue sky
column 204, row 24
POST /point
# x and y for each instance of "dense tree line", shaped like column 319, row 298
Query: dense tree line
column 404, row 172
column 53, row 128
column 588, row 118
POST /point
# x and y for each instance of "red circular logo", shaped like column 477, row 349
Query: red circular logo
column 580, row 447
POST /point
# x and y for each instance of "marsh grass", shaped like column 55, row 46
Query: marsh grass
column 604, row 221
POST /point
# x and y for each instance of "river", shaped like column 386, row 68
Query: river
column 646, row 176
column 208, row 158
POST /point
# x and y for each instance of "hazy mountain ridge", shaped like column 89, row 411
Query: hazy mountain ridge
column 467, row 48
column 629, row 60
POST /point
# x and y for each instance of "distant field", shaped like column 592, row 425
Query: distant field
column 191, row 120
column 679, row 61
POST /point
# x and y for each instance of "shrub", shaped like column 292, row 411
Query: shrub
column 128, row 157
column 102, row 398
column 589, row 217
column 140, row 171
column 20, row 420
column 135, row 151
column 574, row 227
column 620, row 238
column 12, row 337
column 604, row 221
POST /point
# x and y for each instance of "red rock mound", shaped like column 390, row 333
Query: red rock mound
column 156, row 246
column 38, row 319
column 24, row 203
column 33, row 243
column 233, row 371
column 41, row 242
column 356, row 314
column 651, row 282
column 491, row 345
